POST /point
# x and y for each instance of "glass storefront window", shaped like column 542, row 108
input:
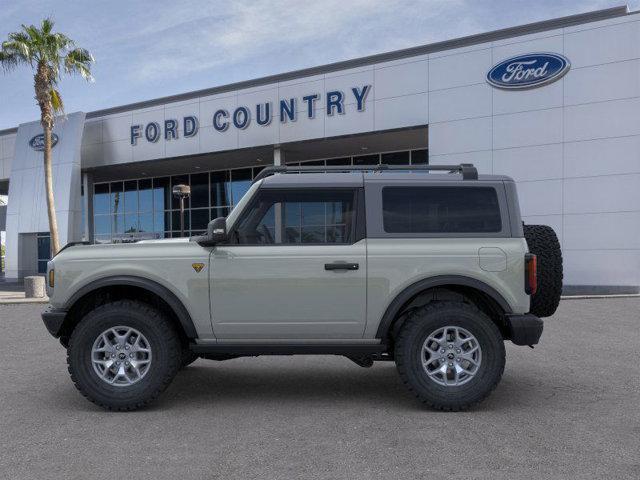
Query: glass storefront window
column 128, row 210
column 395, row 158
column 339, row 161
column 161, row 194
column 145, row 223
column 200, row 190
column 220, row 189
column 131, row 196
column 240, row 183
column 102, row 225
column 117, row 189
column 161, row 222
column 101, row 199
column 367, row 160
column 145, row 195
column 199, row 218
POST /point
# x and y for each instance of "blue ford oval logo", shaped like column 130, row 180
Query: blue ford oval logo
column 37, row 142
column 528, row 71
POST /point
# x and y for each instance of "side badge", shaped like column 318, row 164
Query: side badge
column 197, row 267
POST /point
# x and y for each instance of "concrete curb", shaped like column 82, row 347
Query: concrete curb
column 585, row 297
column 17, row 301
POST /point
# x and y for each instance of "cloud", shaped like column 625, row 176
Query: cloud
column 197, row 39
column 148, row 49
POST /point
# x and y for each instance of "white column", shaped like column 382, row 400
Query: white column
column 87, row 186
column 278, row 159
column 278, row 155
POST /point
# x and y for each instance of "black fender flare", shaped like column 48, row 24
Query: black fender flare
column 152, row 286
column 438, row 281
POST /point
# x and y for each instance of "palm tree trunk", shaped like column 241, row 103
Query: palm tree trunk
column 48, row 178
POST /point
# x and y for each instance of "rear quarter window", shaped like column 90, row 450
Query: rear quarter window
column 436, row 209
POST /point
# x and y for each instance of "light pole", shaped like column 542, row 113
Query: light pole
column 181, row 192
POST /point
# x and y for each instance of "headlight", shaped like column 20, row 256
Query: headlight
column 52, row 277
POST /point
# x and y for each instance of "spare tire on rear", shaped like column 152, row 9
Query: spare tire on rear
column 543, row 242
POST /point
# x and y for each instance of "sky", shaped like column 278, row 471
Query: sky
column 150, row 49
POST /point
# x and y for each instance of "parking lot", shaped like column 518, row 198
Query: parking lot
column 568, row 409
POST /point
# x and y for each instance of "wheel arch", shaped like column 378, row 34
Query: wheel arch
column 127, row 286
column 492, row 302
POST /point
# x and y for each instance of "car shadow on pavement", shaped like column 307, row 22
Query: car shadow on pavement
column 252, row 384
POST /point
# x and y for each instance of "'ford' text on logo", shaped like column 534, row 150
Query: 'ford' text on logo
column 528, row 71
column 37, row 142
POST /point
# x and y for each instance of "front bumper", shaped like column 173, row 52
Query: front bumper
column 524, row 329
column 54, row 319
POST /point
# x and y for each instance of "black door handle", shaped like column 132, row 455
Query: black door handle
column 341, row 266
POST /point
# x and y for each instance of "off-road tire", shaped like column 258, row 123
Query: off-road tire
column 426, row 320
column 543, row 242
column 162, row 337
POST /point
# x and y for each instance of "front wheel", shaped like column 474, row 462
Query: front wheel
column 450, row 355
column 123, row 354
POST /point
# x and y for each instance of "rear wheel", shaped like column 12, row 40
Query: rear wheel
column 450, row 355
column 123, row 354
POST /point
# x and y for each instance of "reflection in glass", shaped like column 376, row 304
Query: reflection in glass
column 161, row 222
column 419, row 157
column 367, row 160
column 131, row 223
column 240, row 183
column 161, row 194
column 395, row 158
column 175, row 219
column 220, row 189
column 101, row 199
column 200, row 190
column 145, row 195
column 102, row 225
column 130, row 196
column 116, row 197
column 219, row 212
column 199, row 219
column 145, row 222
column 118, row 224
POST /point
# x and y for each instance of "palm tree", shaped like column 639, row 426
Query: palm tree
column 47, row 53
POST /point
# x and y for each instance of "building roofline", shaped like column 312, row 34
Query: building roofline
column 494, row 35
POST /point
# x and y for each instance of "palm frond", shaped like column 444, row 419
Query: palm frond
column 79, row 60
column 47, row 25
column 8, row 60
column 56, row 101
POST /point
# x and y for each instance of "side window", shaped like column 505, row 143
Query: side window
column 287, row 217
column 441, row 210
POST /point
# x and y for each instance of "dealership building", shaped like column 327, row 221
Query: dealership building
column 553, row 104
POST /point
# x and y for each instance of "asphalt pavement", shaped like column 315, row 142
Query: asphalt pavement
column 570, row 408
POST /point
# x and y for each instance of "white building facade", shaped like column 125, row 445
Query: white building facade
column 571, row 139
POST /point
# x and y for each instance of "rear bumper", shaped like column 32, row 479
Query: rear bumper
column 54, row 319
column 524, row 329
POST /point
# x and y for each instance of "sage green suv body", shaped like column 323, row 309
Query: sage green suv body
column 312, row 263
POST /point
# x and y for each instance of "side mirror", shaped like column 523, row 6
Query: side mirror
column 216, row 233
column 217, row 230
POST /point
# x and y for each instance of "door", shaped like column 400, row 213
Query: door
column 294, row 268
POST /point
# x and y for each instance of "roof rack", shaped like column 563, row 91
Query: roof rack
column 468, row 171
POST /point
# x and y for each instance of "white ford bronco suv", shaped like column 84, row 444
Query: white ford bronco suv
column 427, row 266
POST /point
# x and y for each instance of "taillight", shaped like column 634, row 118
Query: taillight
column 530, row 274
